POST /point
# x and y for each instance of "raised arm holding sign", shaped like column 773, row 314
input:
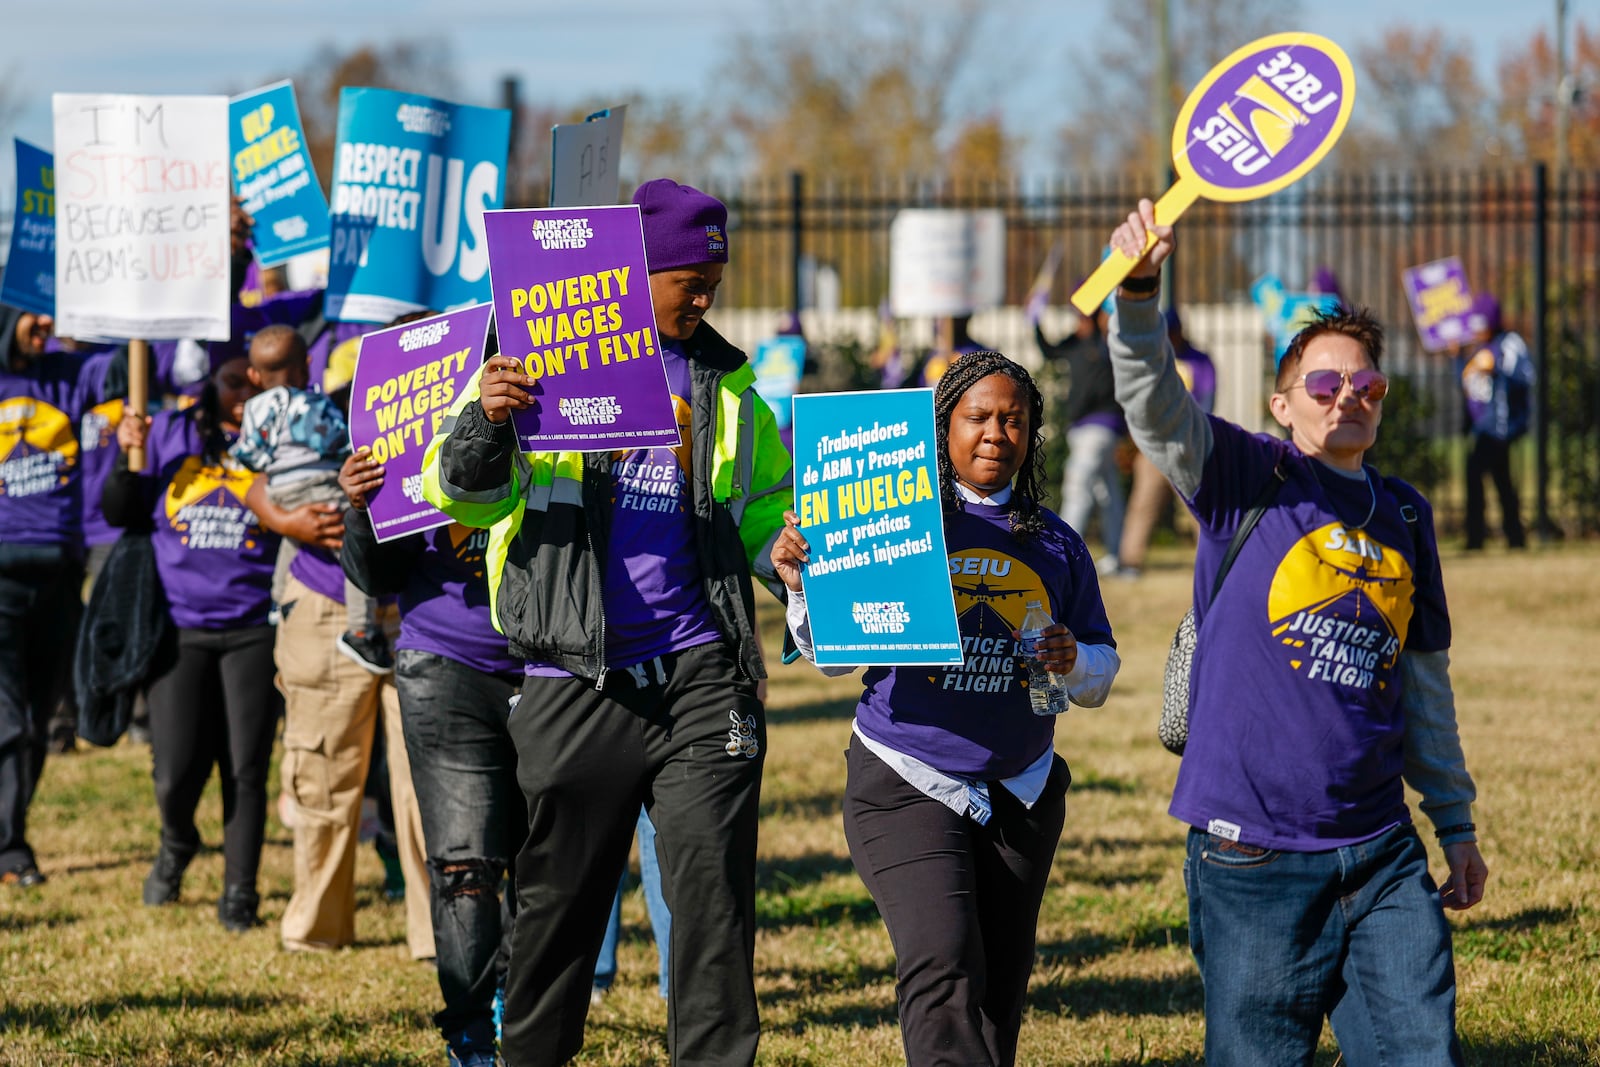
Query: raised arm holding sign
column 1259, row 121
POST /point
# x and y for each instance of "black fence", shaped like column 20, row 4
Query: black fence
column 1530, row 239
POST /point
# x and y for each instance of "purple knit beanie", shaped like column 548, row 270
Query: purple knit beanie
column 682, row 225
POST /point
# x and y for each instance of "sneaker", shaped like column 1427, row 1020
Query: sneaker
column 23, row 877
column 138, row 733
column 472, row 1047
column 165, row 880
column 1107, row 564
column 370, row 651
column 597, row 995
column 237, row 907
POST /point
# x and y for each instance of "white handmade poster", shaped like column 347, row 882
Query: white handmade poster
column 142, row 197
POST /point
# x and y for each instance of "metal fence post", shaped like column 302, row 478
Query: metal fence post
column 1545, row 528
column 796, row 234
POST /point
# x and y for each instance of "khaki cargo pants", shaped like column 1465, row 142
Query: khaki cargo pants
column 329, row 709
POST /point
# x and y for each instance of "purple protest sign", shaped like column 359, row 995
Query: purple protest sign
column 1440, row 298
column 572, row 304
column 406, row 379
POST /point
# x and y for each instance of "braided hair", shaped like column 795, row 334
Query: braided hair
column 1026, row 518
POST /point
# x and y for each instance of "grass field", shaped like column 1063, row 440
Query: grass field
column 88, row 975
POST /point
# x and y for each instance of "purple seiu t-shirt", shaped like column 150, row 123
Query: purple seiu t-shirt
column 654, row 592
column 974, row 719
column 1295, row 728
column 41, row 491
column 445, row 608
column 213, row 555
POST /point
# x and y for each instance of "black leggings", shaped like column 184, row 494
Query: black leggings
column 212, row 702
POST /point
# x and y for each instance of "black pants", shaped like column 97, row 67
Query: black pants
column 40, row 605
column 1491, row 457
column 961, row 902
column 464, row 769
column 688, row 742
column 212, row 703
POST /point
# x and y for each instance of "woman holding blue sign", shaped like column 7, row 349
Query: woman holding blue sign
column 1320, row 688
column 955, row 797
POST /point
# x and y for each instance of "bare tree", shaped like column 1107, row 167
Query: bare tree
column 422, row 66
column 845, row 88
column 1115, row 76
column 1526, row 109
column 1420, row 104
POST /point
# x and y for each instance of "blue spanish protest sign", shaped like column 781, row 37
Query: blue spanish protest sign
column 273, row 175
column 866, row 475
column 572, row 303
column 412, row 177
column 405, row 380
column 29, row 281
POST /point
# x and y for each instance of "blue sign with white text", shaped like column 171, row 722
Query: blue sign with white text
column 273, row 175
column 867, row 492
column 412, row 178
column 29, row 281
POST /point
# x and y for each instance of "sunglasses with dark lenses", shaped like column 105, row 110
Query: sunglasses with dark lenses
column 1324, row 386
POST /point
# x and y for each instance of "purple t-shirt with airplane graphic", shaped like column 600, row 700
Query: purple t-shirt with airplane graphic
column 974, row 719
column 1295, row 727
column 213, row 555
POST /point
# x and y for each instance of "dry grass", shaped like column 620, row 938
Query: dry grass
column 88, row 975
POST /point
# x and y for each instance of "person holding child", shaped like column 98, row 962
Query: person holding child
column 298, row 438
column 955, row 800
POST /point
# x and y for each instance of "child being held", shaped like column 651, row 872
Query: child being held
column 299, row 439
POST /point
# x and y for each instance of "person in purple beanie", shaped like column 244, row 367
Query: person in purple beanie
column 622, row 581
column 333, row 708
column 1497, row 379
column 210, row 692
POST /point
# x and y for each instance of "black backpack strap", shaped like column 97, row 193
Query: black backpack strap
column 1259, row 508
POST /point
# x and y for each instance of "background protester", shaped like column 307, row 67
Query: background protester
column 331, row 707
column 1091, row 481
column 210, row 696
column 955, row 800
column 1151, row 492
column 1497, row 391
column 42, row 399
column 1320, row 689
column 640, row 645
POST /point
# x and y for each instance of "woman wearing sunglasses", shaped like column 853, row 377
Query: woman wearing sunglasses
column 1320, row 688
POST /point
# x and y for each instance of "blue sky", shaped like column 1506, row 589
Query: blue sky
column 569, row 51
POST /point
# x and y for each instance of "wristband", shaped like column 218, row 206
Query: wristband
column 1459, row 828
column 1142, row 286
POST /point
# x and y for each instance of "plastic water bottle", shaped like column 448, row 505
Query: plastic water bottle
column 1047, row 691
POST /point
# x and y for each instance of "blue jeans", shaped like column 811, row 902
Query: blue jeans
column 1355, row 934
column 464, row 769
column 605, row 969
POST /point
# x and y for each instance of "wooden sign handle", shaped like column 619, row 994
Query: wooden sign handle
column 138, row 392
